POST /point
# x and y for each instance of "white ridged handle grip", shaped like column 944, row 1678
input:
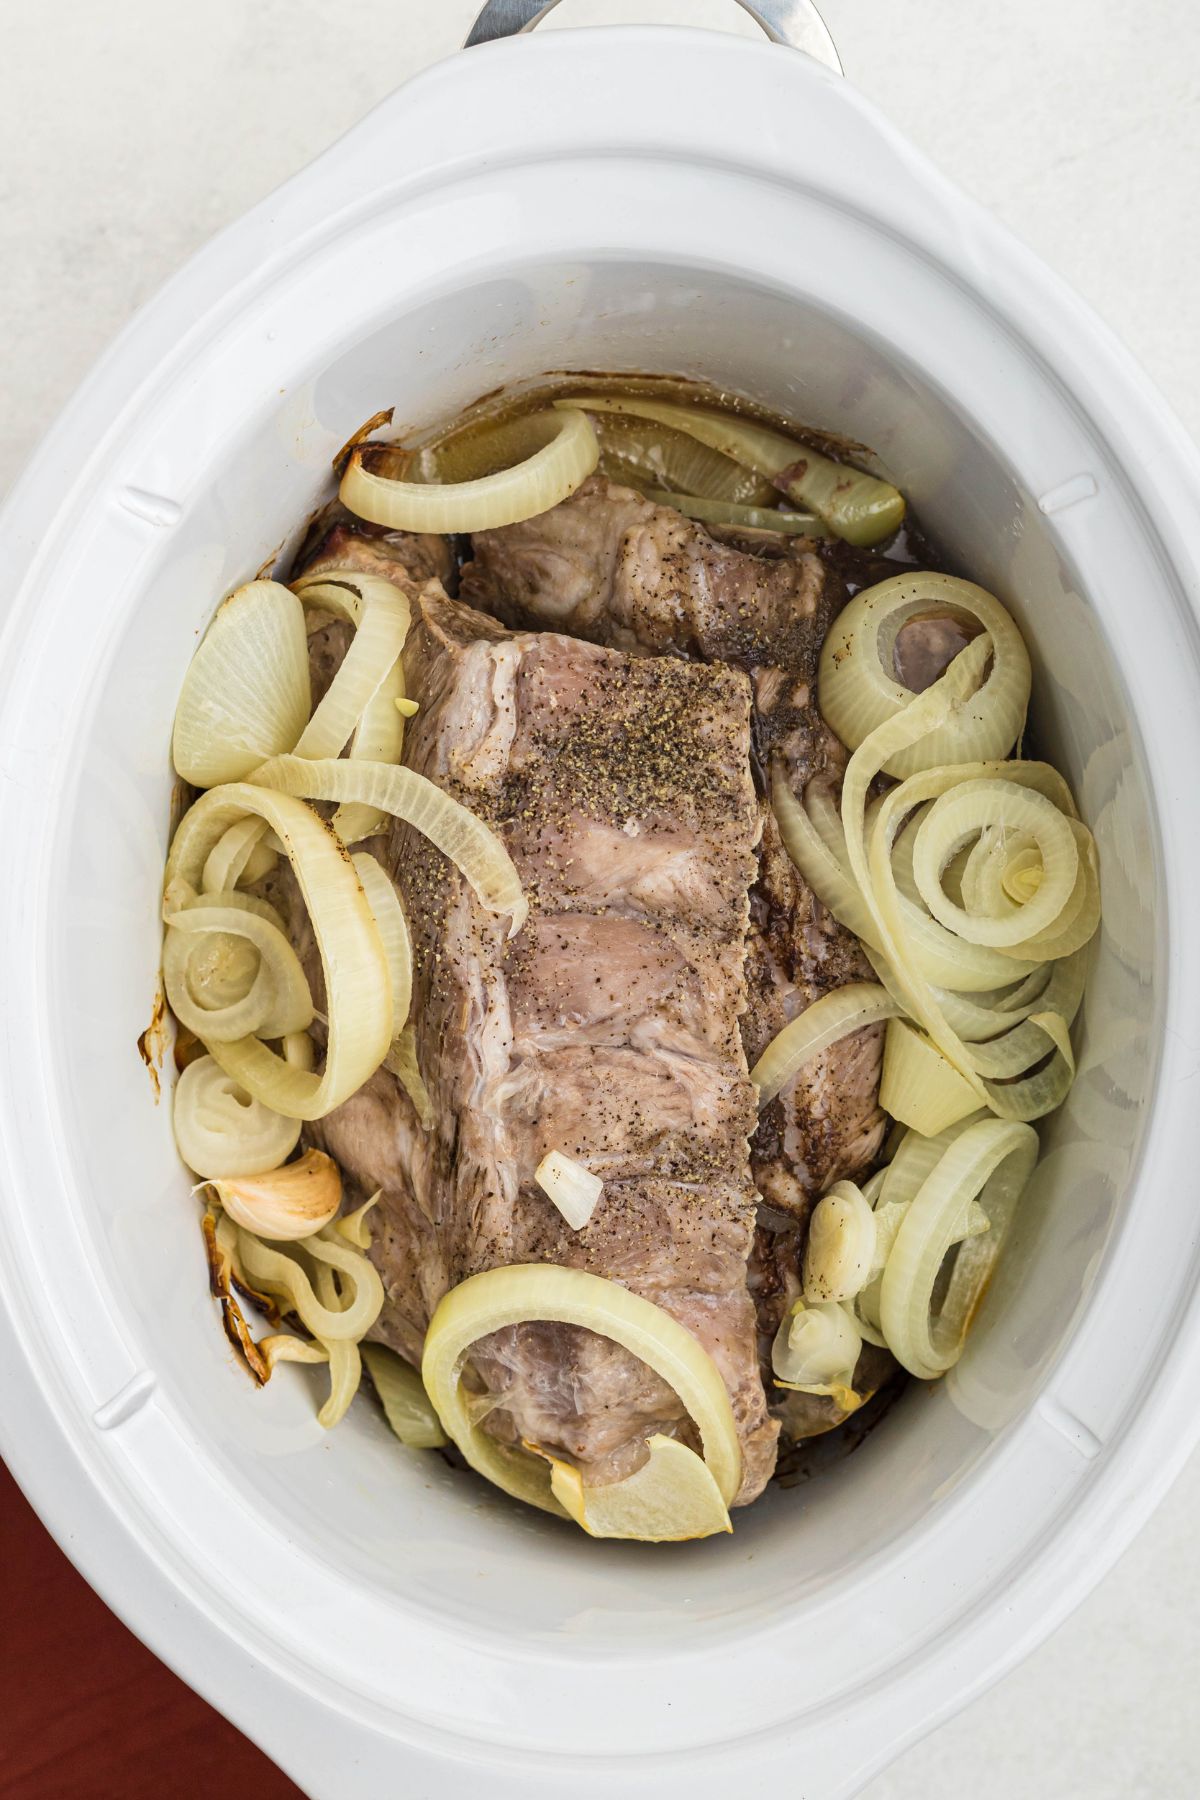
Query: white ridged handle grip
column 796, row 23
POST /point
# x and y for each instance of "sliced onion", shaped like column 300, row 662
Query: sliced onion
column 991, row 917
column 825, row 1022
column 567, row 455
column 345, row 1362
column 841, row 1245
column 275, row 1001
column 357, row 977
column 870, row 855
column 470, row 845
column 394, row 934
column 816, row 1350
column 221, row 1131
column 919, row 1087
column 355, row 1227
column 815, row 839
column 640, row 452
column 859, row 692
column 280, row 1273
column 574, row 1190
column 671, row 1499
column 377, row 608
column 381, row 615
column 401, row 1061
column 246, row 694
column 743, row 518
column 241, row 850
column 525, row 1293
column 856, row 506
column 990, row 1161
column 405, row 1403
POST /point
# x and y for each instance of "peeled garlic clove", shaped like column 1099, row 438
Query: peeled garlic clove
column 289, row 1203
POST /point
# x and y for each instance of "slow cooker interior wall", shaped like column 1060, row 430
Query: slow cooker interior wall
column 406, row 1524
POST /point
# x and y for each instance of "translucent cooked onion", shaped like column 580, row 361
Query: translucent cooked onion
column 378, row 734
column 401, row 1061
column 246, row 694
column 962, row 883
column 574, row 1190
column 381, row 615
column 859, row 692
column 355, row 1227
column 525, row 1293
column 989, row 1162
column 356, row 972
column 405, row 1403
column 647, row 455
column 281, row 1273
column 854, row 505
column 470, row 845
column 203, row 957
column 825, row 1022
column 241, row 850
column 566, row 455
column 744, row 518
column 919, row 1087
column 394, row 934
column 991, row 917
column 815, row 839
column 841, row 1245
column 673, row 1498
column 221, row 1131
column 870, row 854
column 817, row 1348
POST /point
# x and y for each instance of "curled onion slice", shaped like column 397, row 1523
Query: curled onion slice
column 345, row 1360
column 567, row 454
column 203, row 957
column 513, row 1296
column 829, row 1019
column 357, row 976
column 381, row 615
column 221, row 1131
column 246, row 694
column 989, row 915
column 856, row 506
column 816, row 1351
column 470, row 845
column 242, row 854
column 859, row 691
column 378, row 734
column 281, row 1273
column 989, row 1162
column 743, row 518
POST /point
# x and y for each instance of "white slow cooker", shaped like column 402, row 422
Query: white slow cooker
column 617, row 199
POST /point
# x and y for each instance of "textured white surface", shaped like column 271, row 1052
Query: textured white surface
column 130, row 134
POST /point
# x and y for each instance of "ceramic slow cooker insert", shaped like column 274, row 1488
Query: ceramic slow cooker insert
column 621, row 199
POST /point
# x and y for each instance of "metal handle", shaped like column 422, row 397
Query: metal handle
column 796, row 23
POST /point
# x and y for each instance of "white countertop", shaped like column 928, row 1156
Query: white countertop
column 131, row 133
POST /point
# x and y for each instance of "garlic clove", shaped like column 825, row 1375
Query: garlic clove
column 289, row 1203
